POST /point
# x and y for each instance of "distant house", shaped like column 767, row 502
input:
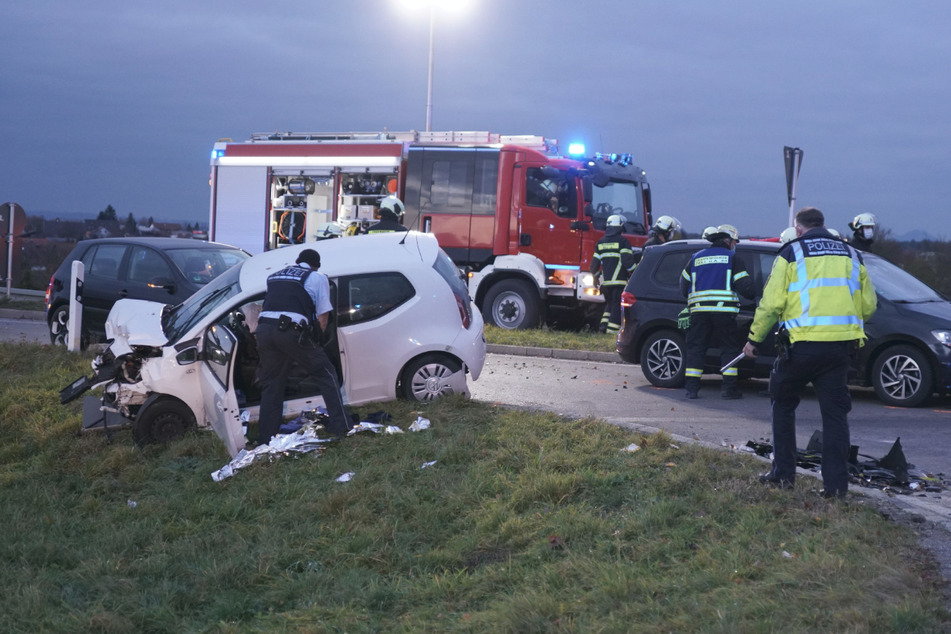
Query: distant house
column 101, row 229
column 171, row 229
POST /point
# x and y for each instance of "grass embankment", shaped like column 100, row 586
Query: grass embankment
column 547, row 338
column 23, row 302
column 526, row 523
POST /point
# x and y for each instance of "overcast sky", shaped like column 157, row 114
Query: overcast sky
column 118, row 102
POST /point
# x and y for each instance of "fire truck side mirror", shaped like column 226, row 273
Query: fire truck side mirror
column 588, row 210
column 587, row 192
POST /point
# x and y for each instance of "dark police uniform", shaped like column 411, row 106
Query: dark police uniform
column 710, row 282
column 296, row 295
column 821, row 294
column 614, row 259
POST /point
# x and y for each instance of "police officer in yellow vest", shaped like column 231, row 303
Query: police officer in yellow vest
column 613, row 261
column 821, row 295
column 710, row 282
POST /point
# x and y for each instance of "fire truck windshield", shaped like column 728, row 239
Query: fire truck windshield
column 622, row 198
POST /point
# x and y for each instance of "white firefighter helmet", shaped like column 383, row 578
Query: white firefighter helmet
column 666, row 224
column 709, row 232
column 834, row 232
column 615, row 220
column 788, row 235
column 393, row 204
column 863, row 220
column 728, row 231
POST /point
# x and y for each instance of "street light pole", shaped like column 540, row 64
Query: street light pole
column 429, row 90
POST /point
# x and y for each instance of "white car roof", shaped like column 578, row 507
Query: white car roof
column 345, row 256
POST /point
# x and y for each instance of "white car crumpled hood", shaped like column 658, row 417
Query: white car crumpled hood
column 135, row 322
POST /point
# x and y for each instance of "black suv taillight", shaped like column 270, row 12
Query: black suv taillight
column 627, row 299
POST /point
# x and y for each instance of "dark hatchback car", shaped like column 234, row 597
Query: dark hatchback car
column 906, row 359
column 166, row 270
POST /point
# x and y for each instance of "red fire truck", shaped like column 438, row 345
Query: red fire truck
column 519, row 219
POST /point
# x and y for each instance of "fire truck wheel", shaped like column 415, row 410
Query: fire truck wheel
column 163, row 420
column 662, row 359
column 512, row 304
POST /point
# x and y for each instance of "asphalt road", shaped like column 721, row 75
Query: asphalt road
column 25, row 330
column 619, row 393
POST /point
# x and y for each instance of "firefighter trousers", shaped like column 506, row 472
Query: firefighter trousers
column 611, row 319
column 825, row 364
column 711, row 330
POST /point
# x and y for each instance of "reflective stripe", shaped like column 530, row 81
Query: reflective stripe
column 803, row 285
column 730, row 372
column 693, row 372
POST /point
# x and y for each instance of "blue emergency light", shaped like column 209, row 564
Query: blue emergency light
column 576, row 149
column 217, row 154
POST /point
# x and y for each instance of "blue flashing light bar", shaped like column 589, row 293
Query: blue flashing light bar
column 217, row 154
column 576, row 149
column 563, row 267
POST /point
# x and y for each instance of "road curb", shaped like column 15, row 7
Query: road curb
column 554, row 353
column 15, row 313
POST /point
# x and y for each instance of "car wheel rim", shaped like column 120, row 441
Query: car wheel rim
column 508, row 310
column 430, row 382
column 900, row 377
column 664, row 359
column 168, row 427
column 58, row 327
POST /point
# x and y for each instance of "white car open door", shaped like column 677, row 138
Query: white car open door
column 216, row 370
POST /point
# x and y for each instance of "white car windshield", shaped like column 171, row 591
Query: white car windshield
column 179, row 320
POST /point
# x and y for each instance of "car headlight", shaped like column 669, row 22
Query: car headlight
column 943, row 336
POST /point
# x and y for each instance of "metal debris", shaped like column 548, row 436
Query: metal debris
column 892, row 473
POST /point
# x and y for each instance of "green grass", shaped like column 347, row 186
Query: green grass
column 547, row 338
column 527, row 522
column 23, row 302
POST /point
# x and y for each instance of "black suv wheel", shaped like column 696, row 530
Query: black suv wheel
column 902, row 377
column 662, row 359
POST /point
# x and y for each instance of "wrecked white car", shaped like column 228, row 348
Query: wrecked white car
column 403, row 325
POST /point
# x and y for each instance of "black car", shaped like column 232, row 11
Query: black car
column 906, row 359
column 164, row 270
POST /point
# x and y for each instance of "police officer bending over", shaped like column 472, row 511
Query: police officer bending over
column 820, row 293
column 710, row 282
column 294, row 316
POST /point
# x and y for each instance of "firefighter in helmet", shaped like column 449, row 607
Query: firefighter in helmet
column 788, row 235
column 663, row 231
column 710, row 282
column 391, row 215
column 613, row 262
column 709, row 231
column 863, row 228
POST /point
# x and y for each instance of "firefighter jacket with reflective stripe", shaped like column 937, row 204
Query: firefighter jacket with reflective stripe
column 613, row 258
column 386, row 226
column 712, row 279
column 818, row 289
column 286, row 293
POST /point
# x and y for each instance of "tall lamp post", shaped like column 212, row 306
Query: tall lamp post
column 429, row 88
column 434, row 6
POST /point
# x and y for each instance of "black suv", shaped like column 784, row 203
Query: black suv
column 164, row 270
column 906, row 359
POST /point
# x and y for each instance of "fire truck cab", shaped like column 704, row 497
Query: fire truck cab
column 518, row 219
